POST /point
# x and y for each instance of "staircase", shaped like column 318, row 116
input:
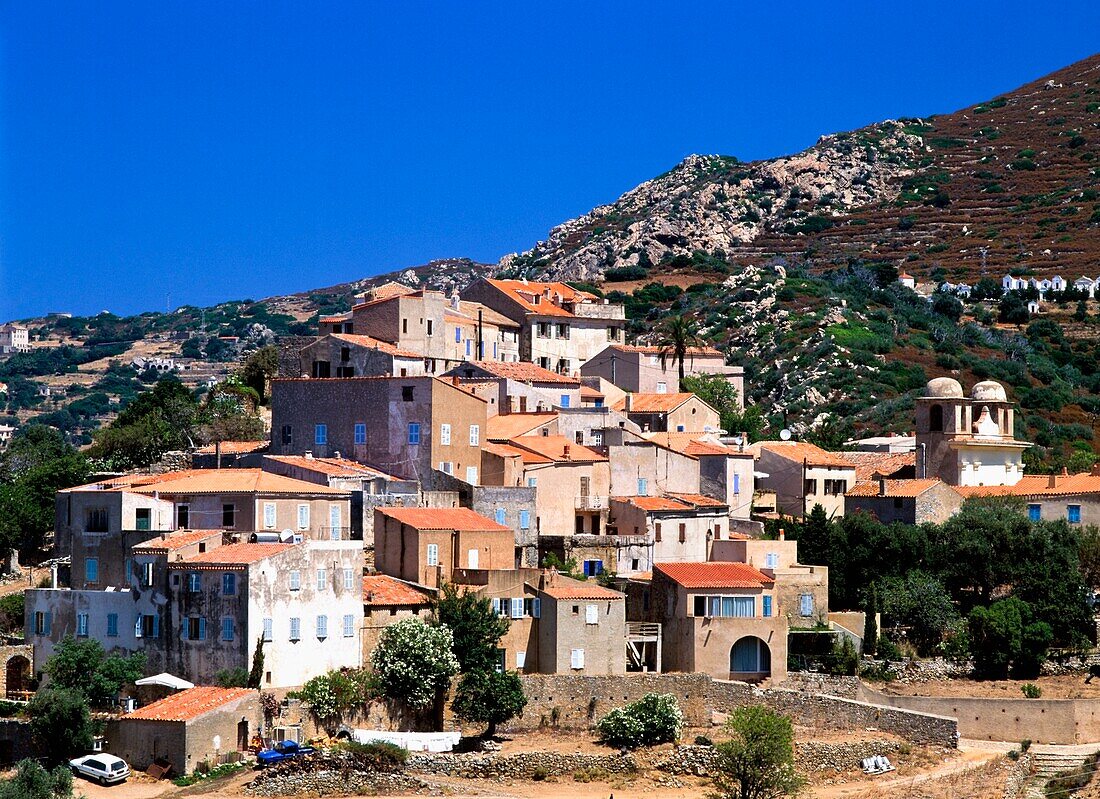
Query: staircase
column 1048, row 763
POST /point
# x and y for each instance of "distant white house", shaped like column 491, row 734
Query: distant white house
column 1010, row 283
column 162, row 365
column 958, row 289
column 14, row 338
column 907, row 280
column 1032, row 307
column 1057, row 283
column 1085, row 284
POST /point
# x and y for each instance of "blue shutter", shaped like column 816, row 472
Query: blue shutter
column 458, row 335
column 536, row 608
column 767, row 606
column 202, row 628
column 1034, row 512
column 525, row 520
column 156, row 626
column 565, row 400
column 499, row 516
column 737, row 484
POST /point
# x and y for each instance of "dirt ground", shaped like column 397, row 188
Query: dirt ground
column 1066, row 686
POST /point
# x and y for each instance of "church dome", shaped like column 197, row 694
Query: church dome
column 944, row 388
column 988, row 391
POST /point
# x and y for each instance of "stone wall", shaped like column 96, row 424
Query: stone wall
column 832, row 685
column 576, row 703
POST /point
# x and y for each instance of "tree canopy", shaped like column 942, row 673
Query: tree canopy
column 476, row 628
column 414, row 662
column 61, row 724
column 84, row 667
column 758, row 760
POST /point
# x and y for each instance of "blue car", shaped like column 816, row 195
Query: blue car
column 284, row 750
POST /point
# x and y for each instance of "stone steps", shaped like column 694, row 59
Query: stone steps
column 1045, row 766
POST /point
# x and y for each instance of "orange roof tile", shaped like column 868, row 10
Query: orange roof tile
column 468, row 310
column 509, row 451
column 696, row 351
column 561, row 587
column 700, row 500
column 335, row 318
column 654, row 503
column 371, row 343
column 190, row 704
column 522, row 371
column 714, row 575
column 653, row 403
column 1039, row 485
column 461, row 519
column 333, row 467
column 232, row 555
column 894, row 488
column 799, row 451
column 505, row 426
column 230, row 481
column 694, row 444
column 233, row 447
column 383, row 590
column 558, row 449
column 587, row 392
column 170, row 542
column 868, row 464
column 524, row 293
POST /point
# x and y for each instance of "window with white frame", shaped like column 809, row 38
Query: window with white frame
column 322, row 627
column 322, row 579
column 431, row 557
column 295, row 580
column 591, row 614
column 445, row 435
column 349, row 579
column 349, row 626
column 269, row 516
column 82, row 625
column 471, row 475
column 576, row 659
column 718, row 606
column 521, row 660
column 303, row 517
column 475, row 435
column 771, row 560
column 268, row 630
column 295, row 628
column 806, row 605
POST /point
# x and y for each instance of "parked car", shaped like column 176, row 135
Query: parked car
column 283, row 750
column 101, row 767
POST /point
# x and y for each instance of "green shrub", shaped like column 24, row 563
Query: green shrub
column 1025, row 744
column 1031, row 690
column 624, row 273
column 590, row 774
column 378, row 756
column 653, row 719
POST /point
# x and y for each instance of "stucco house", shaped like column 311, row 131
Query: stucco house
column 677, row 413
column 352, row 355
column 517, row 387
column 669, row 528
column 641, row 370
column 803, row 475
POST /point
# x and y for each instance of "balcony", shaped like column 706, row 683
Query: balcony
column 591, row 502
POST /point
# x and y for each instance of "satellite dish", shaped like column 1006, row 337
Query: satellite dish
column 737, row 440
column 785, row 434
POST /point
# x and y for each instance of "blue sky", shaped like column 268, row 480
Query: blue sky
column 222, row 150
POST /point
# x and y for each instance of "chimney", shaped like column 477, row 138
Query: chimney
column 566, row 452
column 309, row 454
column 881, row 486
column 336, row 454
column 782, row 534
column 629, row 403
column 1052, row 481
column 744, row 440
column 218, row 454
column 1096, row 470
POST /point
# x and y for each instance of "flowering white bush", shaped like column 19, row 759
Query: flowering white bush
column 414, row 662
column 653, row 719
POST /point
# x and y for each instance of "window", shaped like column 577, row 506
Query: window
column 183, row 517
column 717, row 532
column 414, row 432
column 322, row 627
column 430, row 326
column 472, row 558
column 229, row 584
column 349, row 626
column 806, row 605
column 82, row 625
column 592, row 568
column 112, row 625
column 475, row 435
column 576, row 659
column 345, row 353
column 809, row 487
column 432, row 555
column 498, row 515
column 1035, row 512
column 771, row 560
column 643, row 487
column 95, row 520
column 349, row 579
column 683, row 532
column 662, row 387
column 469, row 345
column 471, row 475
column 404, row 325
column 563, row 330
column 532, row 482
column 195, row 628
column 268, row 630
column 148, row 626
column 288, row 434
column 657, row 531
column 229, row 515
column 91, row 570
column 142, row 519
column 269, row 516
column 565, row 400
column 194, row 582
column 767, row 607
column 679, row 428
column 147, row 575
column 544, row 330
column 835, row 487
column 320, row 434
column 525, row 520
column 1073, row 514
column 447, row 467
column 295, row 628
column 303, row 517
column 458, row 335
column 295, row 580
column 591, row 614
column 407, row 393
column 227, row 628
column 737, row 484
column 42, row 622
column 521, row 660
column 360, row 433
column 445, row 435
column 322, row 579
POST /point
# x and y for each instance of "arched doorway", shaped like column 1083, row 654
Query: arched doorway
column 750, row 658
column 17, row 674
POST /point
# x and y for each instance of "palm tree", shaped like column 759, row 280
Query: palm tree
column 676, row 336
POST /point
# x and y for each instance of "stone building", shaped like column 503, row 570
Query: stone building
column 517, row 387
column 803, row 475
column 582, row 628
column 674, row 413
column 350, row 355
column 386, row 601
column 912, row 501
column 641, row 370
column 670, row 528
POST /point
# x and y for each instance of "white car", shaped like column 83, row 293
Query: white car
column 102, row 768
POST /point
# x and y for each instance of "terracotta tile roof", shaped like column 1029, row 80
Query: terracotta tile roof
column 387, row 291
column 510, row 451
column 170, row 542
column 558, row 449
column 461, row 519
column 1039, row 485
column 587, row 392
column 714, row 575
column 190, row 704
column 333, row 467
column 232, row 555
column 561, row 587
column 709, row 352
column 884, row 463
column 894, row 488
column 335, row 318
column 700, row 500
column 653, row 403
column 524, row 293
column 234, row 447
column 654, row 503
column 467, row 311
column 504, row 426
column 523, row 371
column 694, row 444
column 231, row 481
column 381, row 590
column 371, row 343
column 799, row 451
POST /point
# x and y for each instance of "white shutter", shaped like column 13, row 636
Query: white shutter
column 432, row 555
column 521, row 659
column 475, row 435
column 517, row 608
column 576, row 659
column 591, row 614
column 445, row 435
column 334, row 522
column 269, row 516
column 471, row 475
column 303, row 517
column 471, row 559
column 496, row 606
